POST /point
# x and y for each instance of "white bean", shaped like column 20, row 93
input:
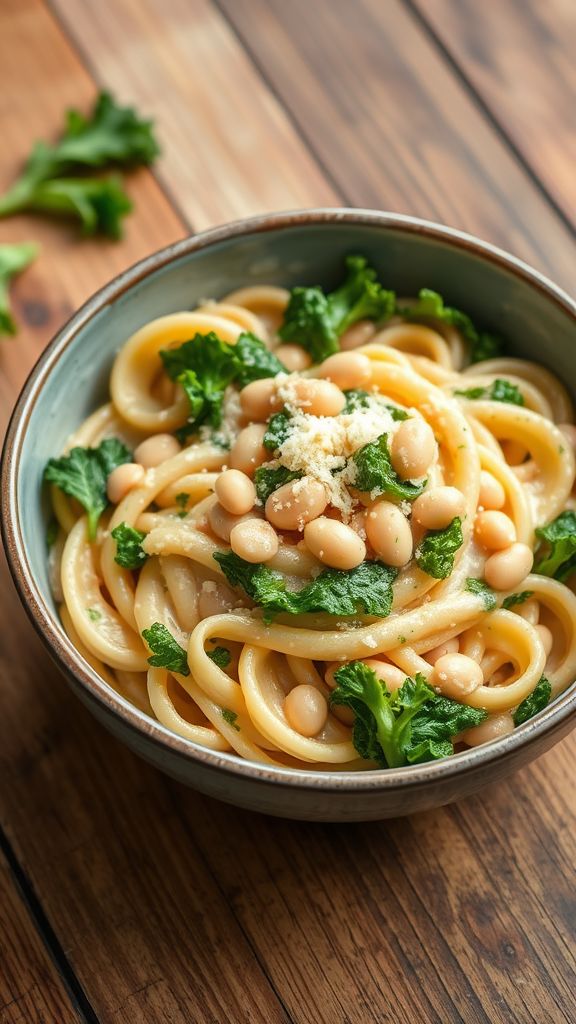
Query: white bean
column 389, row 533
column 492, row 493
column 412, row 448
column 334, row 543
column 494, row 530
column 347, row 370
column 438, row 506
column 123, row 479
column 317, row 397
column 254, row 540
column 306, row 709
column 294, row 357
column 156, row 449
column 248, row 452
column 259, row 399
column 235, row 492
column 506, row 569
column 296, row 503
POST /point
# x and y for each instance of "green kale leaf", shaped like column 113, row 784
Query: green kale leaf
column 204, row 366
column 430, row 306
column 277, row 431
column 499, row 391
column 375, row 473
column 255, row 360
column 534, row 702
column 269, row 480
column 367, row 588
column 556, row 551
column 316, row 320
column 220, row 656
column 357, row 398
column 13, row 259
column 514, row 599
column 83, row 473
column 408, row 726
column 111, row 135
column 129, row 551
column 436, row 552
column 166, row 652
column 481, row 588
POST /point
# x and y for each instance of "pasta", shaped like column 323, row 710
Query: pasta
column 323, row 530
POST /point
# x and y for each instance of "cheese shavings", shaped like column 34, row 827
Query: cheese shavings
column 320, row 446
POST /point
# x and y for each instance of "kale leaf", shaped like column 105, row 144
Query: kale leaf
column 357, row 398
column 430, row 306
column 255, row 360
column 499, row 391
column 166, row 652
column 269, row 480
column 111, row 135
column 13, row 259
column 375, row 473
column 129, row 551
column 481, row 588
column 518, row 598
column 407, row 726
column 83, row 472
column 534, row 702
column 556, row 551
column 220, row 656
column 277, row 431
column 367, row 588
column 316, row 320
column 436, row 552
column 204, row 366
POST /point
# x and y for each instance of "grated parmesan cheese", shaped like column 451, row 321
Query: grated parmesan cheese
column 320, row 446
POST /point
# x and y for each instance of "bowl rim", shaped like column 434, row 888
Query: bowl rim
column 65, row 654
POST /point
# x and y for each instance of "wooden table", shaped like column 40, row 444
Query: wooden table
column 125, row 897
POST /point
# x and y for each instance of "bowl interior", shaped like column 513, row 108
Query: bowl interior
column 72, row 380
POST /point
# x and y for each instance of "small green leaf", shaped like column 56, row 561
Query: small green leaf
column 129, row 551
column 534, row 702
column 476, row 586
column 220, row 656
column 166, row 651
column 514, row 599
column 435, row 555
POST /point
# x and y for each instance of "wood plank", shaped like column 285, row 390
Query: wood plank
column 140, row 918
column 144, row 926
column 385, row 113
column 46, row 78
column 229, row 148
column 175, row 908
column 31, row 988
column 461, row 914
column 519, row 57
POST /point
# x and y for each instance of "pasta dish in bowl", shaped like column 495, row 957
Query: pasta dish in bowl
column 328, row 532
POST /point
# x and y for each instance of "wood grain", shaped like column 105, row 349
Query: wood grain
column 47, row 77
column 170, row 907
column 229, row 148
column 384, row 112
column 519, row 56
column 31, row 989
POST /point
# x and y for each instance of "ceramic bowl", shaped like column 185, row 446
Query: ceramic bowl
column 71, row 377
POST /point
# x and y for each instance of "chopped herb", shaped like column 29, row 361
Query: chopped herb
column 534, row 702
column 166, row 652
column 52, row 533
column 230, row 717
column 277, row 431
column 367, row 588
column 83, row 473
column 129, row 551
column 408, row 726
column 255, row 360
column 481, row 588
column 357, row 398
column 220, row 656
column 556, row 551
column 111, row 135
column 316, row 320
column 204, row 366
column 437, row 550
column 499, row 391
column 269, row 480
column 182, row 504
column 514, row 599
column 93, row 614
column 430, row 306
column 13, row 260
column 375, row 473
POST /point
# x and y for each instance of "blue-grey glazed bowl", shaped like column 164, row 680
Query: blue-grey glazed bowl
column 71, row 377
